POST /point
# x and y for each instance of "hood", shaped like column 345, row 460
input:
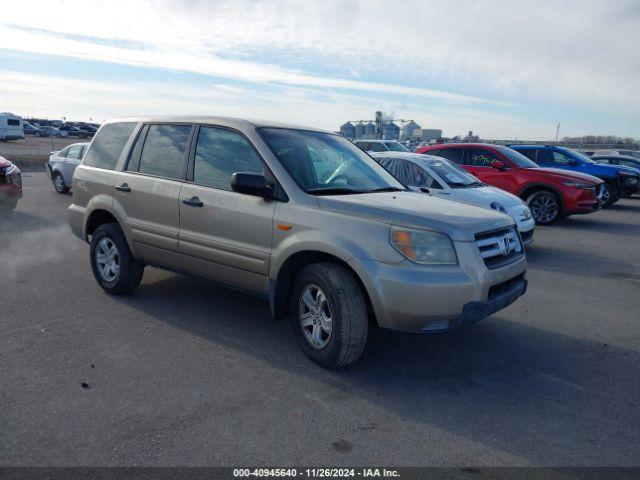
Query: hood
column 626, row 169
column 411, row 209
column 485, row 196
column 569, row 175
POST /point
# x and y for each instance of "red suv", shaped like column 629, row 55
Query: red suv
column 10, row 185
column 550, row 193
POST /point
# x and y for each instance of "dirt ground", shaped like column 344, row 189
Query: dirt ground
column 32, row 152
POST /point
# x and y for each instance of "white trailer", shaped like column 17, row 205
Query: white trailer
column 11, row 127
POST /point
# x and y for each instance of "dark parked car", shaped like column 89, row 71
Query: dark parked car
column 73, row 131
column 31, row 130
column 87, row 128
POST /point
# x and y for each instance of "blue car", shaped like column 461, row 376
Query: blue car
column 620, row 181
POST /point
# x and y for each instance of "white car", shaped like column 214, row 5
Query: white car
column 61, row 165
column 441, row 178
column 381, row 146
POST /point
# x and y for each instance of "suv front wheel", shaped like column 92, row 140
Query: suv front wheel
column 544, row 206
column 329, row 314
column 112, row 263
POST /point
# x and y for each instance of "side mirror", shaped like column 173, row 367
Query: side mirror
column 425, row 190
column 499, row 164
column 251, row 184
column 574, row 163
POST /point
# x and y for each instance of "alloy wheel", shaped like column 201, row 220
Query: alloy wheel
column 315, row 316
column 544, row 208
column 605, row 196
column 108, row 260
column 58, row 183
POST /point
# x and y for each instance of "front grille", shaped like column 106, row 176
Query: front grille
column 499, row 247
column 500, row 288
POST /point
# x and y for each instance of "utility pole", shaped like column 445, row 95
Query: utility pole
column 557, row 132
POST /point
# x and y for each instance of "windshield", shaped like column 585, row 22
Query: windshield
column 518, row 159
column 396, row 147
column 577, row 155
column 327, row 164
column 454, row 176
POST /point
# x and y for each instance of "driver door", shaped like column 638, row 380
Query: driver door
column 478, row 162
column 225, row 235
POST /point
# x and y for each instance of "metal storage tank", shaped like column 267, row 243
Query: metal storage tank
column 359, row 130
column 408, row 129
column 390, row 131
column 348, row 130
column 370, row 130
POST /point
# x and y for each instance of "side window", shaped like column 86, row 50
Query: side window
column 545, row 157
column 163, row 150
column 530, row 153
column 134, row 158
column 479, row 157
column 75, row 152
column 63, row 153
column 561, row 159
column 108, row 144
column 604, row 161
column 219, row 154
column 629, row 163
column 453, row 154
column 421, row 177
column 363, row 145
column 377, row 147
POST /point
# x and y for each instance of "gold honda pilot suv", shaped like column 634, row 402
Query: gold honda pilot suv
column 297, row 215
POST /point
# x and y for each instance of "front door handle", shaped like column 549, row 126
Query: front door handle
column 123, row 188
column 193, row 202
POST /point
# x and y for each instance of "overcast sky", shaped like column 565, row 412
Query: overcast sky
column 502, row 69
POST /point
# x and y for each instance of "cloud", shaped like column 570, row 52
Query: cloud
column 103, row 99
column 486, row 55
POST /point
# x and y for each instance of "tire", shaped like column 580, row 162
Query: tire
column 610, row 195
column 334, row 294
column 124, row 272
column 545, row 207
column 58, row 183
column 9, row 205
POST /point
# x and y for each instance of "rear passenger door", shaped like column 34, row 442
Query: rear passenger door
column 146, row 192
column 226, row 234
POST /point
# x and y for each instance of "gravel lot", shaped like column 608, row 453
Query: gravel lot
column 183, row 372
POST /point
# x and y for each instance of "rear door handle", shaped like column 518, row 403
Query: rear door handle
column 193, row 202
column 123, row 188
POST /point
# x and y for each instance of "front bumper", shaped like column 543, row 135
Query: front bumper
column 419, row 298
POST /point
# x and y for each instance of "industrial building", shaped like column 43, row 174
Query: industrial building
column 386, row 128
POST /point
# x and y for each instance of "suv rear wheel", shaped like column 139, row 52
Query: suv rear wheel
column 8, row 205
column 113, row 265
column 329, row 315
column 545, row 207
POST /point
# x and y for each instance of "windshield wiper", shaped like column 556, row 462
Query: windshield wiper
column 333, row 191
column 385, row 189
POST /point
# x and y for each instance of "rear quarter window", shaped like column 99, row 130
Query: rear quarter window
column 108, row 144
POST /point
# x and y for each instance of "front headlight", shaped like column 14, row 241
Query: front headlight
column 582, row 186
column 422, row 246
